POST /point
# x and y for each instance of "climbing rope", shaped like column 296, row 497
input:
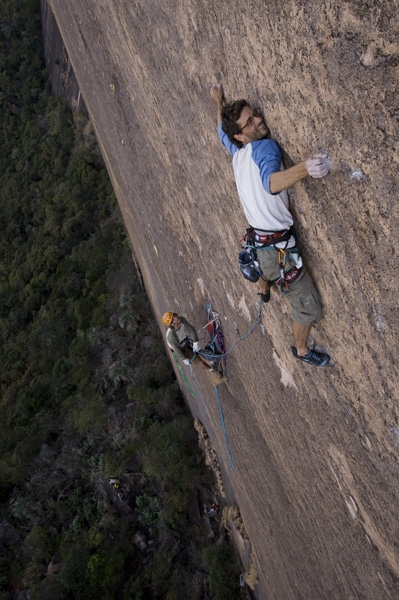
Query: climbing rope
column 219, row 356
column 183, row 375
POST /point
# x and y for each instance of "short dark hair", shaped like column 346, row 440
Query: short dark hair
column 230, row 114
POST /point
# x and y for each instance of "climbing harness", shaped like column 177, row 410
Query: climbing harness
column 288, row 278
column 256, row 239
column 253, row 238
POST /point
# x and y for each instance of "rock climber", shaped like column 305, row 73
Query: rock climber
column 262, row 185
column 182, row 339
column 214, row 510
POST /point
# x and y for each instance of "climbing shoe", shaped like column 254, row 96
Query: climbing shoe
column 265, row 297
column 317, row 359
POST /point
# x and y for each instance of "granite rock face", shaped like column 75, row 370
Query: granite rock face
column 316, row 450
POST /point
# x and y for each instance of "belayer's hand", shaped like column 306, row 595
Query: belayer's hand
column 318, row 165
column 186, row 361
column 196, row 347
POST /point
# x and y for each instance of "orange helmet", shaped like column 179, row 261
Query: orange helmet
column 167, row 318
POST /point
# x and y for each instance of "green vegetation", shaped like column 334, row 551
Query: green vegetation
column 219, row 562
column 87, row 391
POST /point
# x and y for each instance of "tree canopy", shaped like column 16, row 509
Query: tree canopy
column 87, row 391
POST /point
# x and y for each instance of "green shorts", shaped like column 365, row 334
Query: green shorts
column 303, row 297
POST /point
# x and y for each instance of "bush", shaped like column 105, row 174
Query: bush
column 49, row 588
column 170, row 454
column 90, row 416
column 148, row 507
column 223, row 573
column 74, row 574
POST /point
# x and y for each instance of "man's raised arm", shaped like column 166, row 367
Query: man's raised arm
column 217, row 94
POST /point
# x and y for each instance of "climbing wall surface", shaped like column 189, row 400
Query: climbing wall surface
column 316, row 451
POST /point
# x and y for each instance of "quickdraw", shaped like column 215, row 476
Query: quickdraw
column 282, row 259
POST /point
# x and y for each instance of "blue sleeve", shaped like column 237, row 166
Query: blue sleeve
column 267, row 155
column 232, row 148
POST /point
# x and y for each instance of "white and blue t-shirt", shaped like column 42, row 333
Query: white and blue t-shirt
column 253, row 165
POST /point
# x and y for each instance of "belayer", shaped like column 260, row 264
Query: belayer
column 182, row 339
column 262, row 185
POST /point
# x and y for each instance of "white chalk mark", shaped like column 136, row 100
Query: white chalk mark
column 358, row 175
column 201, row 286
column 244, row 309
column 286, row 378
column 352, row 507
column 230, row 300
column 379, row 319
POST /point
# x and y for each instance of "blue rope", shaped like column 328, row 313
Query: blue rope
column 216, row 387
column 226, row 439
